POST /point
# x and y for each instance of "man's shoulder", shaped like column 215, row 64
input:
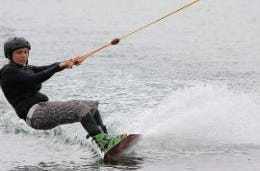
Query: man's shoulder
column 9, row 68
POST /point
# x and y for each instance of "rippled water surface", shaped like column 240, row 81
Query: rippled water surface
column 189, row 84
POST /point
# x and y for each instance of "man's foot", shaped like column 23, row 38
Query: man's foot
column 106, row 142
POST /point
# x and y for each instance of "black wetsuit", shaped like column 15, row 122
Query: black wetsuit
column 21, row 85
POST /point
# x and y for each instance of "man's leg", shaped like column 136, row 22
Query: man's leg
column 96, row 114
column 99, row 121
column 47, row 115
column 90, row 125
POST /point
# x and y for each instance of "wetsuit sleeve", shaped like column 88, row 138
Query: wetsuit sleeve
column 41, row 68
column 16, row 75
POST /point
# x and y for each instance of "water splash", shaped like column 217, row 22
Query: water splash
column 201, row 115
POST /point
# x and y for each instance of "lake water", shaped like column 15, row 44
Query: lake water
column 190, row 83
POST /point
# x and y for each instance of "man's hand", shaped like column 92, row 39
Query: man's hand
column 74, row 61
column 66, row 64
column 78, row 60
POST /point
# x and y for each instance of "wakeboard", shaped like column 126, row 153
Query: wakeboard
column 123, row 146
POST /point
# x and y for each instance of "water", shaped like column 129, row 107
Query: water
column 189, row 84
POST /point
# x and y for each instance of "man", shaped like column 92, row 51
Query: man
column 21, row 84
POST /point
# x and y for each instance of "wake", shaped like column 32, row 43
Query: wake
column 201, row 115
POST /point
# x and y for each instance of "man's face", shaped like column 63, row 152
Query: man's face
column 20, row 56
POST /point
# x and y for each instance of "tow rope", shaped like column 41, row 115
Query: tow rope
column 116, row 40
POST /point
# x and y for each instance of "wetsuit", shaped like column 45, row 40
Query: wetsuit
column 21, row 85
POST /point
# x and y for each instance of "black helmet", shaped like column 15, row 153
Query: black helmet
column 15, row 43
